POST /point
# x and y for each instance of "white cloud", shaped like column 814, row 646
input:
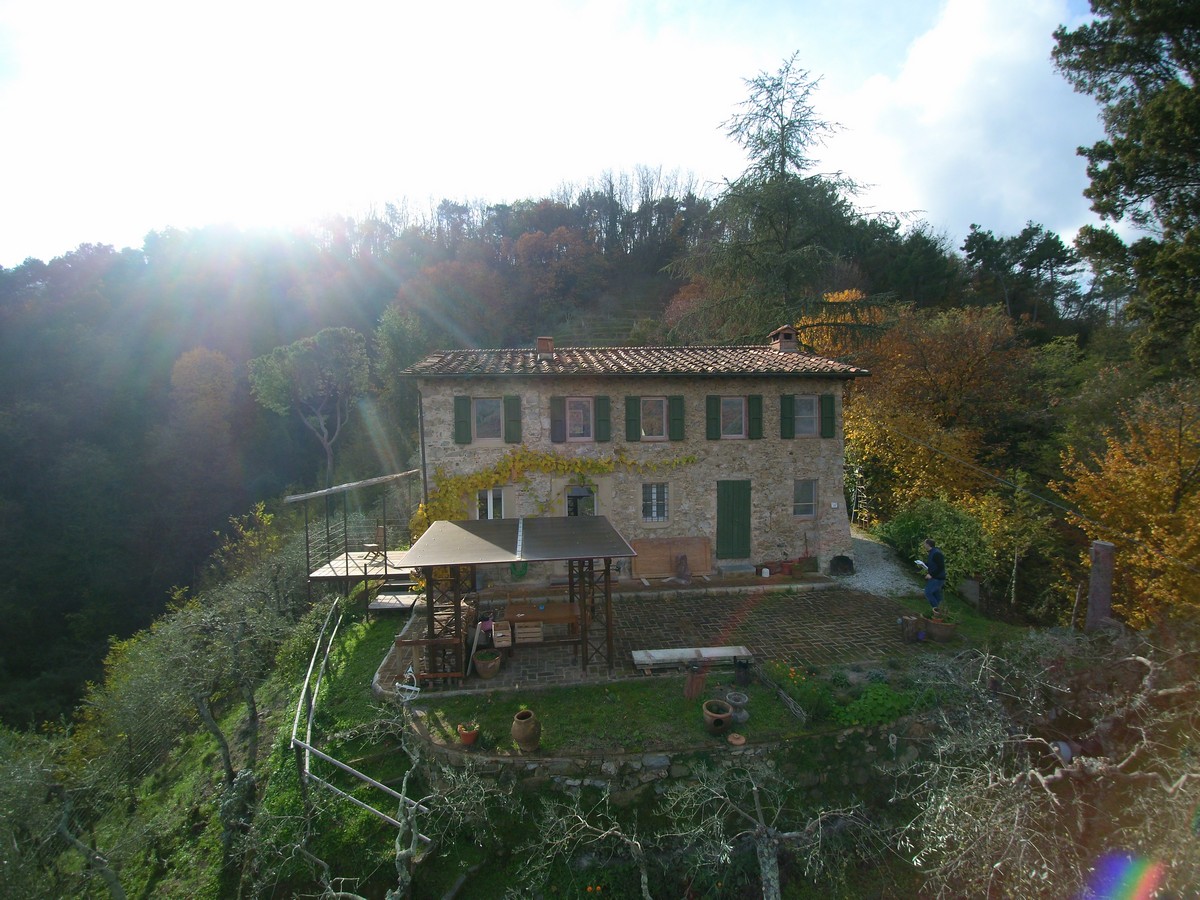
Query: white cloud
column 977, row 126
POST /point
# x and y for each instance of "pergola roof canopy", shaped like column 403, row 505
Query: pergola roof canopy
column 541, row 539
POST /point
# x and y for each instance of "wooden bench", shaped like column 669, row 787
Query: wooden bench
column 680, row 658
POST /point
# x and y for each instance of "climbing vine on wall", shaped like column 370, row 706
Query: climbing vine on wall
column 448, row 499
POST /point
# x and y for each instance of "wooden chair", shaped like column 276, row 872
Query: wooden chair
column 375, row 549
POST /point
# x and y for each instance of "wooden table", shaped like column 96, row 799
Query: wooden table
column 555, row 612
column 549, row 613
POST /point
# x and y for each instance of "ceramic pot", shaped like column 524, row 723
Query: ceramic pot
column 527, row 731
column 468, row 736
column 717, row 715
column 487, row 662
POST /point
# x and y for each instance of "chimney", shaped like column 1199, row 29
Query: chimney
column 545, row 349
column 783, row 339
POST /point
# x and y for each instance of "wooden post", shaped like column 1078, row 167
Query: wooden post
column 1099, row 608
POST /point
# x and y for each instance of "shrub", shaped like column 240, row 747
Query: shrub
column 878, row 705
column 960, row 535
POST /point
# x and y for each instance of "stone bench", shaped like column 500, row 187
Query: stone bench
column 680, row 658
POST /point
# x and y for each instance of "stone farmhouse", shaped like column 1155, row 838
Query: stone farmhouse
column 725, row 455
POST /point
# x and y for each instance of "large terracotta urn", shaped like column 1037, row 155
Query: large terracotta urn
column 717, row 714
column 527, row 731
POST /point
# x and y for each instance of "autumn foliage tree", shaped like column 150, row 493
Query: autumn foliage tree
column 942, row 386
column 1142, row 492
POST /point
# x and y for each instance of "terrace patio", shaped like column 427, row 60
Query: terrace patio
column 820, row 620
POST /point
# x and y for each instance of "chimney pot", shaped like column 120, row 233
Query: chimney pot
column 783, row 339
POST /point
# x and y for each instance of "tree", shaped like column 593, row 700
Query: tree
column 949, row 391
column 1033, row 272
column 777, row 228
column 319, row 378
column 1043, row 760
column 1140, row 59
column 1142, row 492
column 729, row 805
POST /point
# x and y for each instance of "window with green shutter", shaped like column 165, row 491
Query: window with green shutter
column 633, row 419
column 512, row 419
column 462, row 420
column 828, row 428
column 787, row 416
column 712, row 417
column 558, row 419
column 603, row 411
column 754, row 417
column 675, row 418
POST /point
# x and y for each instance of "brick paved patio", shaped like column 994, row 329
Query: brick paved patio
column 819, row 624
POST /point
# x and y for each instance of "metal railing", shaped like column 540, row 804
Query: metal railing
column 303, row 748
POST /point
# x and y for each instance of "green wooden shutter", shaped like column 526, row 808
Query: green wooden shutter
column 754, row 418
column 512, row 420
column 827, row 424
column 603, row 413
column 787, row 416
column 633, row 419
column 462, row 420
column 675, row 418
column 558, row 419
column 712, row 417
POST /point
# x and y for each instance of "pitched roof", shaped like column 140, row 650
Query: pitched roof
column 695, row 361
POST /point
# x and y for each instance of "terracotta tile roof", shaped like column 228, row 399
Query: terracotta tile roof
column 696, row 361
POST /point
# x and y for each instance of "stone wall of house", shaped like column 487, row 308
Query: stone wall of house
column 770, row 464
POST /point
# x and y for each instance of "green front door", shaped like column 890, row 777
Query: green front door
column 733, row 519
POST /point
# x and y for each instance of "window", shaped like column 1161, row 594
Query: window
column 733, row 417
column 579, row 418
column 654, row 502
column 807, row 415
column 804, row 497
column 491, row 504
column 654, row 419
column 488, row 418
column 581, row 500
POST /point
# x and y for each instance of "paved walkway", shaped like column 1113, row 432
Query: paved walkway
column 817, row 624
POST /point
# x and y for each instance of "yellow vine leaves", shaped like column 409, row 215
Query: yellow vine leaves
column 451, row 494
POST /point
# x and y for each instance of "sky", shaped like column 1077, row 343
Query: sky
column 131, row 116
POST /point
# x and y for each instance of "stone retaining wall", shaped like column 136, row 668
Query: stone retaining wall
column 819, row 763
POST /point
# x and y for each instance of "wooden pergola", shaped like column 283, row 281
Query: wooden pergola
column 448, row 554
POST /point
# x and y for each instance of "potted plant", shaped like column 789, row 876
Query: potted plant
column 468, row 732
column 487, row 662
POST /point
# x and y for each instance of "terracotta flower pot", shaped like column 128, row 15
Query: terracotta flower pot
column 468, row 734
column 487, row 662
column 717, row 715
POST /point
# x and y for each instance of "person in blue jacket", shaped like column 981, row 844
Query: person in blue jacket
column 935, row 575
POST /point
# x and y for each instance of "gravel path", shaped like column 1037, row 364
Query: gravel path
column 879, row 571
